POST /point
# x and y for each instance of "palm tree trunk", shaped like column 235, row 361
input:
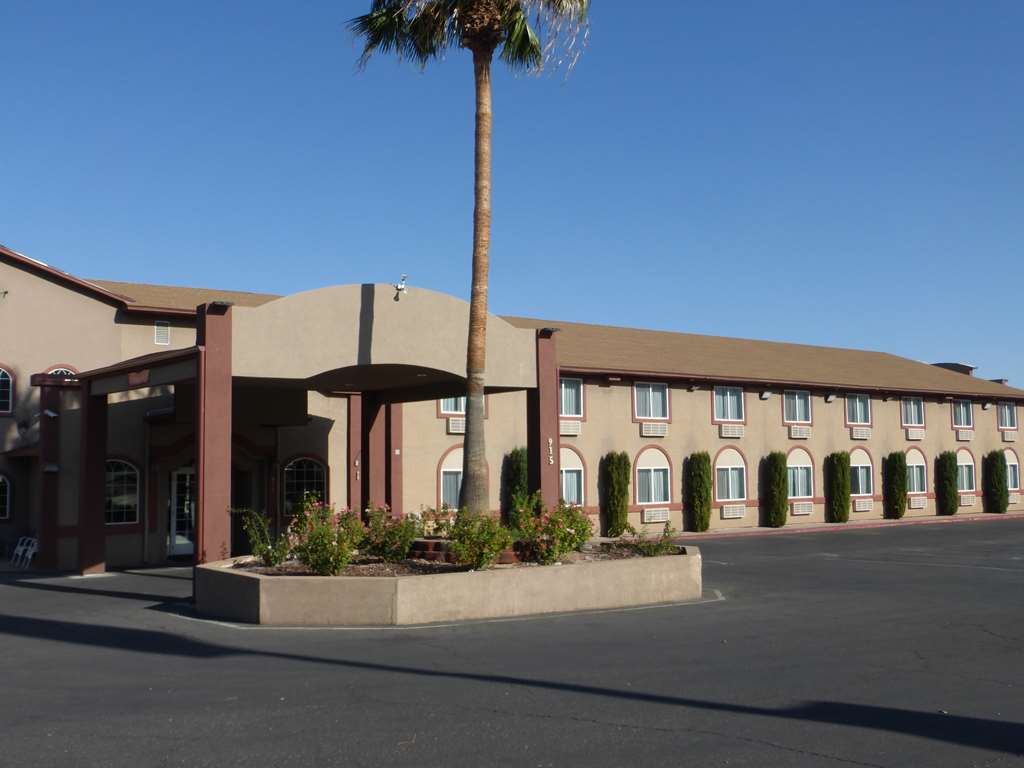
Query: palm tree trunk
column 475, row 496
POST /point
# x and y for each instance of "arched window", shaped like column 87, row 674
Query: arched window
column 862, row 481
column 964, row 471
column 917, row 472
column 449, row 481
column 730, row 476
column 1012, row 470
column 5, row 498
column 572, row 476
column 653, row 478
column 800, row 474
column 122, row 494
column 6, row 391
column 302, row 476
column 61, row 370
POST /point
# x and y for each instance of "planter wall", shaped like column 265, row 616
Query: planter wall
column 225, row 592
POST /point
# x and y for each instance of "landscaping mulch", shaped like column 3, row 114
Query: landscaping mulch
column 363, row 568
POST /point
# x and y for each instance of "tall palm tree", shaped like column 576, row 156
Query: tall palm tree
column 422, row 30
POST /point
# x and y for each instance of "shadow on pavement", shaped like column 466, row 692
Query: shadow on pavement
column 1007, row 737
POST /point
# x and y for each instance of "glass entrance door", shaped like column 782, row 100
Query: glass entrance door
column 183, row 512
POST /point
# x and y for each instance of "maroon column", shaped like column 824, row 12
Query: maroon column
column 374, row 460
column 49, row 482
column 394, row 448
column 355, row 451
column 92, row 548
column 542, row 415
column 213, row 432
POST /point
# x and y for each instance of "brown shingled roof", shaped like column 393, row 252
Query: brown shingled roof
column 602, row 348
column 180, row 298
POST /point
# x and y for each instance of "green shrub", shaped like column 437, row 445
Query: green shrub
column 547, row 537
column 477, row 539
column 698, row 489
column 390, row 538
column 776, row 489
column 515, row 479
column 325, row 540
column 947, row 498
column 615, row 470
column 645, row 547
column 525, row 508
column 894, row 484
column 271, row 552
column 837, row 487
column 995, row 485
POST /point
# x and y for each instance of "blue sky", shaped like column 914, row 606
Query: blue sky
column 849, row 174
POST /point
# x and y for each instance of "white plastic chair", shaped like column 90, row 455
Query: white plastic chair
column 24, row 551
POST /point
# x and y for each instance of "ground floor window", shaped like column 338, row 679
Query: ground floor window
column 801, row 482
column 916, row 478
column 1012, row 470
column 303, row 476
column 5, row 498
column 572, row 486
column 860, row 480
column 965, row 472
column 122, row 493
column 451, row 487
column 730, row 483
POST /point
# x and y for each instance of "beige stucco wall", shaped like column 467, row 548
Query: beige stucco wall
column 426, row 441
column 609, row 426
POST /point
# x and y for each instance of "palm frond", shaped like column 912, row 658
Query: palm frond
column 522, row 48
column 383, row 30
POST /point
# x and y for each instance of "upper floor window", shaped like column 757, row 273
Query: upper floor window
column 1007, row 416
column 6, row 391
column 651, row 400
column 453, row 406
column 797, row 406
column 62, row 371
column 917, row 475
column 5, row 498
column 858, row 409
column 122, row 493
column 570, row 400
column 728, row 404
column 963, row 415
column 964, row 471
column 301, row 477
column 913, row 411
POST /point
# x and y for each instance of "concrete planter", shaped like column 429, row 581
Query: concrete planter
column 225, row 592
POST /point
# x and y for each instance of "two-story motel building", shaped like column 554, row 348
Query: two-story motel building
column 133, row 417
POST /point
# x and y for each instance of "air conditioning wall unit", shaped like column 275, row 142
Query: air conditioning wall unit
column 799, row 432
column 965, row 435
column 731, row 430
column 917, row 502
column 967, row 499
column 653, row 429
column 657, row 515
column 802, row 508
column 733, row 511
column 1014, row 498
column 1009, row 435
column 860, row 433
column 863, row 505
column 570, row 427
column 915, row 433
column 456, row 425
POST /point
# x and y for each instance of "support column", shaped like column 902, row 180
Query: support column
column 355, row 453
column 394, row 448
column 542, row 417
column 213, row 432
column 374, row 451
column 92, row 547
column 49, row 468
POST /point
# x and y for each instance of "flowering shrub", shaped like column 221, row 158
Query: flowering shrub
column 546, row 537
column 271, row 552
column 477, row 540
column 437, row 522
column 324, row 540
column 390, row 538
column 663, row 545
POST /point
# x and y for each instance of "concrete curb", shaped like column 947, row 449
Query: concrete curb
column 839, row 527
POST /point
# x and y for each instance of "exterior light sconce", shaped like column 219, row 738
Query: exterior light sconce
column 691, row 387
column 986, row 406
column 765, row 395
column 829, row 397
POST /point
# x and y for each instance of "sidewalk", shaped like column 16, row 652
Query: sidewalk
column 982, row 517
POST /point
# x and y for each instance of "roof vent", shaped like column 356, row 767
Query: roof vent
column 1004, row 382
column 965, row 368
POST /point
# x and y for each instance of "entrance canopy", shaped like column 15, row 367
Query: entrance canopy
column 372, row 338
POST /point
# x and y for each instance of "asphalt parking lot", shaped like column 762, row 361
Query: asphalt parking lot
column 882, row 647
